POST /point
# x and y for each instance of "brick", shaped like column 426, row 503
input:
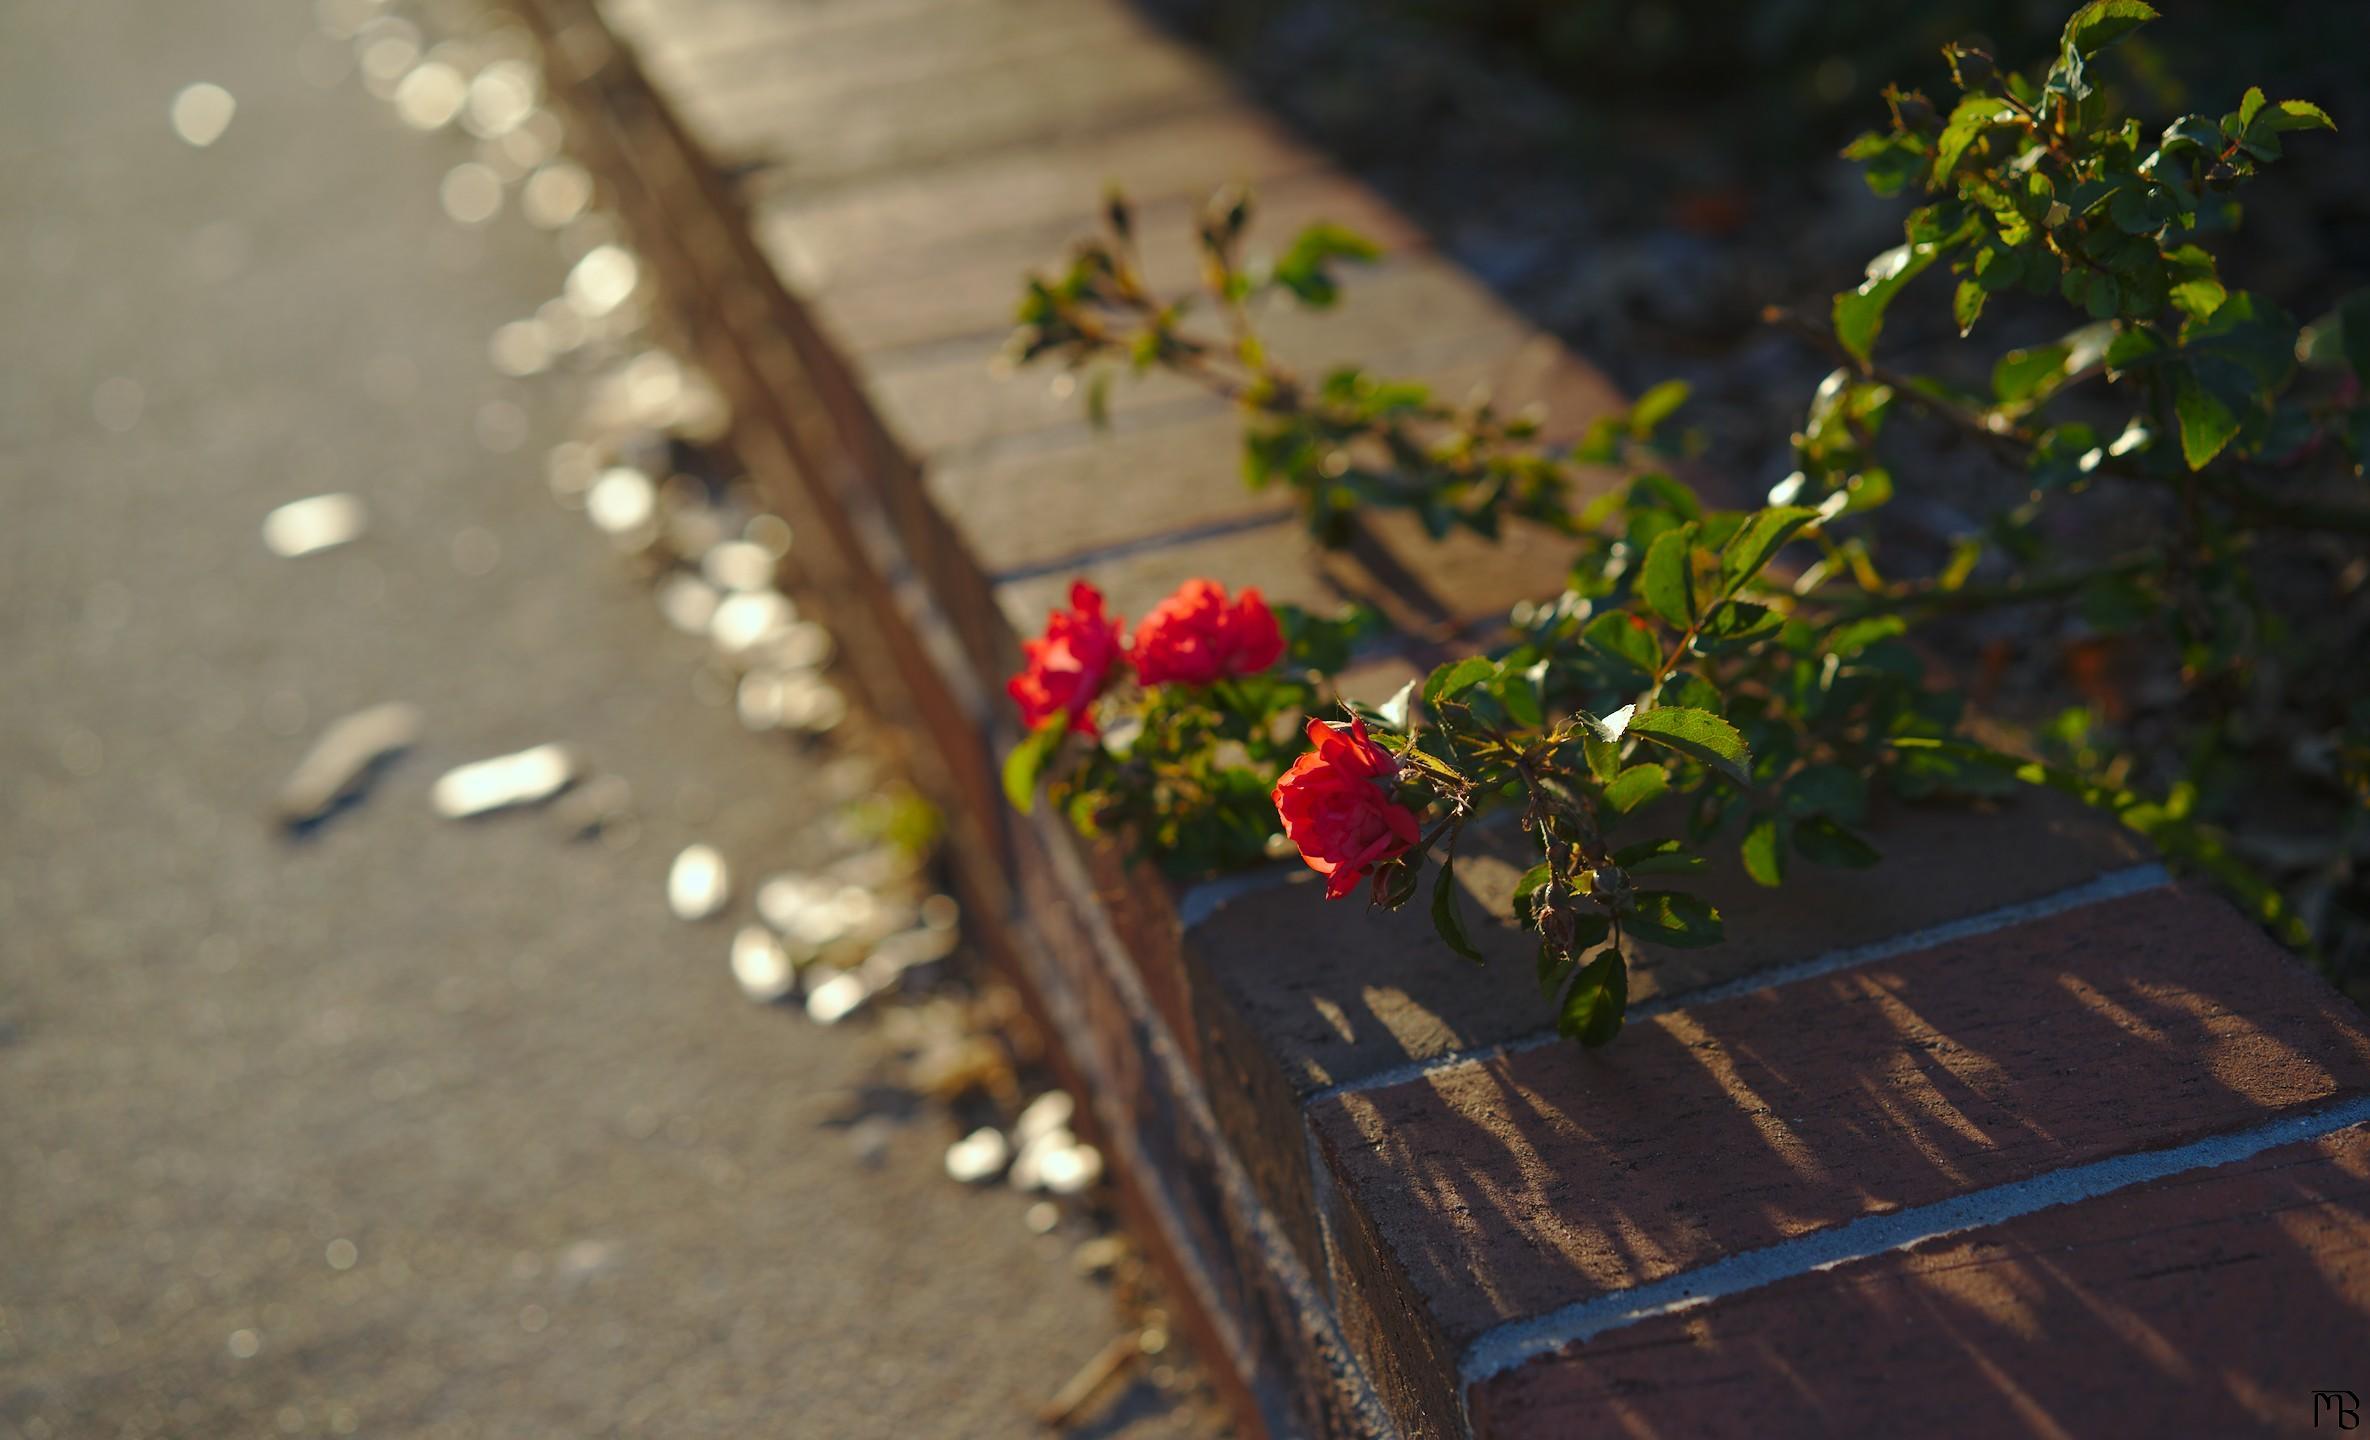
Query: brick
column 902, row 226
column 1383, row 992
column 1279, row 558
column 1030, row 508
column 872, row 46
column 1295, row 994
column 941, row 118
column 2174, row 1308
column 1502, row 1190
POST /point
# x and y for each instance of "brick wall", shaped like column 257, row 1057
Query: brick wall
column 2020, row 1136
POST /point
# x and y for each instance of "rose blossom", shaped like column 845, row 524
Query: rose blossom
column 1336, row 806
column 1069, row 666
column 1195, row 637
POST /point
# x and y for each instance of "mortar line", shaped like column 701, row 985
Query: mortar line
column 2114, row 885
column 1514, row 1342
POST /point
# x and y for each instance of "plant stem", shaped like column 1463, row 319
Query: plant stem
column 2015, row 444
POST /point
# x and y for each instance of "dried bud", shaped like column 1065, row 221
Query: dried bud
column 1971, row 68
column 1558, row 923
column 1913, row 112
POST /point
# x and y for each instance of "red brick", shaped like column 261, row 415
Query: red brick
column 1340, row 993
column 1502, row 1190
column 2206, row 1304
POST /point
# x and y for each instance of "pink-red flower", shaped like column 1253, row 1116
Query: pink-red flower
column 1196, row 636
column 1070, row 664
column 1336, row 806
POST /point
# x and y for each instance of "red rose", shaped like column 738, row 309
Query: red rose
column 1336, row 806
column 1070, row 665
column 1195, row 637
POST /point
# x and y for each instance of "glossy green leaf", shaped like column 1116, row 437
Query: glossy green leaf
column 1455, row 678
column 2103, row 22
column 1613, row 633
column 1859, row 314
column 1666, row 581
column 1699, row 735
column 1758, row 541
column 1599, row 998
column 1634, row 786
column 2207, row 422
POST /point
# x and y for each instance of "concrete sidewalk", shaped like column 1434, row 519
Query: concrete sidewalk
column 412, row 1127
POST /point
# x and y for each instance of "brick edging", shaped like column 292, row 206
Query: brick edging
column 1373, row 1186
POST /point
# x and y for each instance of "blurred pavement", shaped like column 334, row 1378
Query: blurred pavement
column 412, row 1127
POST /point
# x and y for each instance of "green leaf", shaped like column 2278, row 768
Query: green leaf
column 1444, row 912
column 2103, row 22
column 1027, row 762
column 1613, row 634
column 1637, row 785
column 1552, row 970
column 1519, row 690
column 1824, row 842
column 1698, row 735
column 1764, row 852
column 1658, row 857
column 1665, row 583
column 1599, row 998
column 1676, row 919
column 1973, row 115
column 1835, row 791
column 1859, row 314
column 1455, row 678
column 1655, row 406
column 2206, row 422
column 1305, row 269
column 2290, row 115
column 1758, row 541
column 1966, row 304
column 2028, row 375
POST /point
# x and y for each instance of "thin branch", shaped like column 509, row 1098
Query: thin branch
column 2015, row 443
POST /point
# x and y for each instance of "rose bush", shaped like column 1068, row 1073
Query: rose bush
column 1747, row 678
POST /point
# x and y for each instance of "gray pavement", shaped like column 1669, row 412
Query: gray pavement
column 411, row 1127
